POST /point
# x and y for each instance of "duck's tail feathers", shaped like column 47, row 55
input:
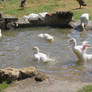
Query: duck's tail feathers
column 49, row 60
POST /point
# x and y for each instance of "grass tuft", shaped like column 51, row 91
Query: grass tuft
column 3, row 86
column 87, row 88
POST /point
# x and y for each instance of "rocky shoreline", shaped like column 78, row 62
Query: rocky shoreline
column 56, row 19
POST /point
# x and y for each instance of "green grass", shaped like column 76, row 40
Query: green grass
column 3, row 86
column 11, row 7
column 87, row 88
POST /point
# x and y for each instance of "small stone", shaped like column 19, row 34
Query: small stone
column 41, row 77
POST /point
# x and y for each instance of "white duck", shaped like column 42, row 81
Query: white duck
column 0, row 33
column 48, row 37
column 38, row 56
column 84, row 18
column 41, row 35
column 78, row 49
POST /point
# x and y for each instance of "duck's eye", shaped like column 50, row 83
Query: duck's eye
column 71, row 40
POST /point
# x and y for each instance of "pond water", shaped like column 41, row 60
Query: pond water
column 16, row 51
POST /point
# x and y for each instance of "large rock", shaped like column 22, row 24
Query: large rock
column 11, row 74
column 59, row 19
column 28, row 72
column 8, row 22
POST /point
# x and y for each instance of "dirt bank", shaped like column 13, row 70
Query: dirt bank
column 51, row 85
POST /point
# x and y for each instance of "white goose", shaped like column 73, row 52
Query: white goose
column 38, row 56
column 78, row 49
column 86, row 57
column 48, row 37
column 84, row 18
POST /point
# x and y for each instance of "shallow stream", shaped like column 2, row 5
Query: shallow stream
column 16, row 51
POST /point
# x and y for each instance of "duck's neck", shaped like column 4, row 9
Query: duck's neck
column 74, row 44
column 82, row 25
column 36, row 51
column 84, row 56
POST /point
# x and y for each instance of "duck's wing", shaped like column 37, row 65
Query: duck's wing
column 85, row 45
column 42, row 55
column 36, row 57
column 41, row 35
column 84, row 42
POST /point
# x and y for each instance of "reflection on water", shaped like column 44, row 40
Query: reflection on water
column 16, row 51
